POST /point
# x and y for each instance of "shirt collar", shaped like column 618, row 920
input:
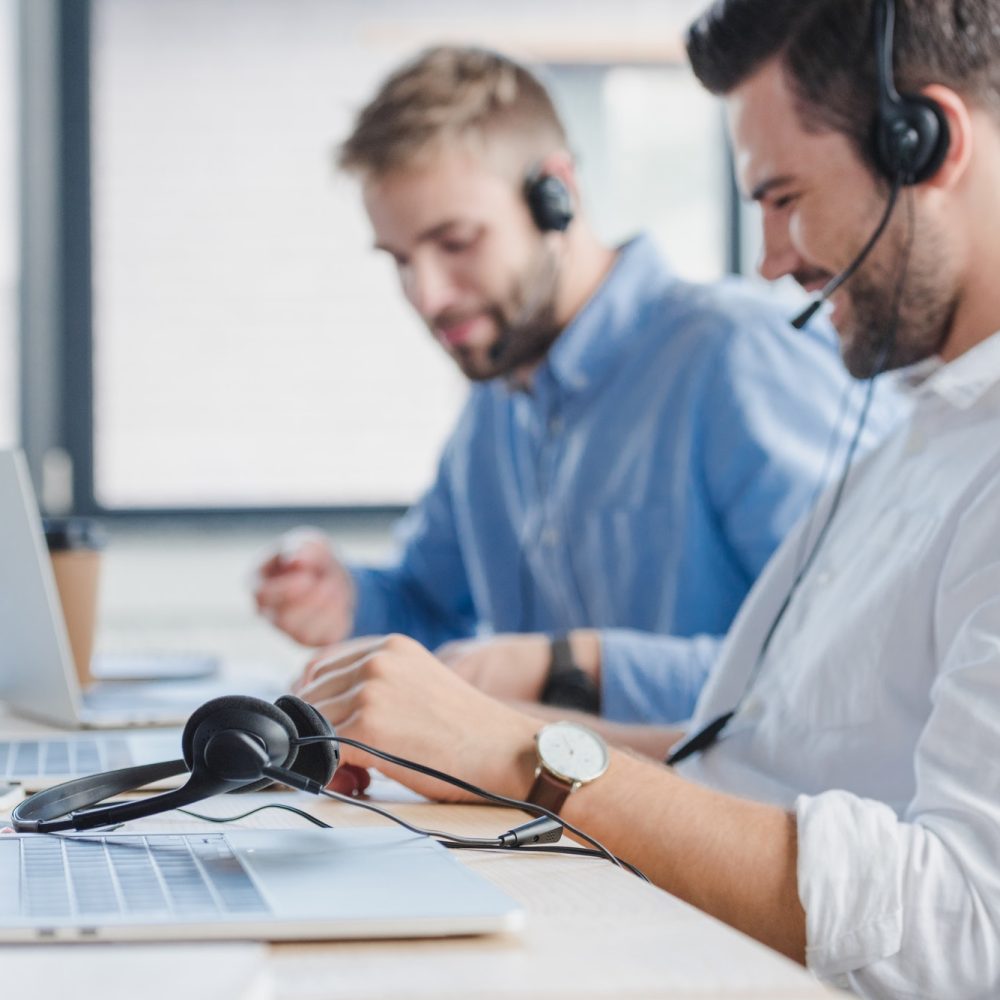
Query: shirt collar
column 586, row 350
column 962, row 382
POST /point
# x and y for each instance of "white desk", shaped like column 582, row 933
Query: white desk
column 591, row 930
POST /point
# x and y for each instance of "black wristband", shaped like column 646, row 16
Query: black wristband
column 567, row 686
column 560, row 655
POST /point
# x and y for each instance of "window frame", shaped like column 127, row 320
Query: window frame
column 55, row 301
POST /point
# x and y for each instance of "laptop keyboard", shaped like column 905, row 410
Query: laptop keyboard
column 157, row 876
column 33, row 757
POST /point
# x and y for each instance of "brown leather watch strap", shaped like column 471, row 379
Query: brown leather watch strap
column 548, row 791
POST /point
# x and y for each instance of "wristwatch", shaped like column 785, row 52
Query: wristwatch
column 569, row 755
column 567, row 685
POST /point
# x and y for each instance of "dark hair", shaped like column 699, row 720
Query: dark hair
column 827, row 48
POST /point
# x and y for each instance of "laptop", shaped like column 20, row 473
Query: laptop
column 37, row 676
column 272, row 885
column 37, row 762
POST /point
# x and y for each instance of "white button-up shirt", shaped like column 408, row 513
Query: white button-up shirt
column 875, row 712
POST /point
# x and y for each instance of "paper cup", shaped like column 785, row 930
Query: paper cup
column 75, row 549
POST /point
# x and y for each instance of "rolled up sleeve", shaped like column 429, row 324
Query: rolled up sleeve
column 649, row 678
column 909, row 906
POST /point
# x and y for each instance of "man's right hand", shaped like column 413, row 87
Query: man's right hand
column 304, row 590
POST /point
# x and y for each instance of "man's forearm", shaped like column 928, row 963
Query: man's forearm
column 732, row 858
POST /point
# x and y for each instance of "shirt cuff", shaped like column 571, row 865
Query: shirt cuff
column 849, row 882
column 369, row 614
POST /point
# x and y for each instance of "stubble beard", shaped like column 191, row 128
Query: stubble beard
column 895, row 322
column 525, row 322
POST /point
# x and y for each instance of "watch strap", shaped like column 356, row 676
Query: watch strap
column 548, row 791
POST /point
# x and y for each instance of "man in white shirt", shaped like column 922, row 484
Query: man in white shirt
column 848, row 814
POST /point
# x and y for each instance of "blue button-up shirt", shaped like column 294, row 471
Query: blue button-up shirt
column 665, row 446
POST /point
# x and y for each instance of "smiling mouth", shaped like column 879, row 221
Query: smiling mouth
column 814, row 281
column 456, row 334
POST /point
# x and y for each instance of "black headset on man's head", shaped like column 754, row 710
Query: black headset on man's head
column 909, row 141
column 548, row 201
column 910, row 132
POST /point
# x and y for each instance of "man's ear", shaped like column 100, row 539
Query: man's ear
column 960, row 137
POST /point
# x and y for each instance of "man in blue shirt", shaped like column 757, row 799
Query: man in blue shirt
column 634, row 447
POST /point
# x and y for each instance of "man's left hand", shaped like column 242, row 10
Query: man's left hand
column 509, row 667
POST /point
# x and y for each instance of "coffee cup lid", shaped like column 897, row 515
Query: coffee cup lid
column 65, row 533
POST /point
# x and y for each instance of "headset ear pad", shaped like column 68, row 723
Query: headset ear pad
column 912, row 140
column 266, row 722
column 318, row 761
column 549, row 202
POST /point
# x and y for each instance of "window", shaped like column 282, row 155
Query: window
column 8, row 227
column 649, row 141
column 249, row 348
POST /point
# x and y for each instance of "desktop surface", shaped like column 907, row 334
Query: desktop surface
column 590, row 929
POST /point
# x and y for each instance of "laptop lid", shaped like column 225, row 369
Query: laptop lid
column 37, row 676
column 363, row 882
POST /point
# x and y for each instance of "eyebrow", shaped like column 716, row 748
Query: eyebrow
column 428, row 234
column 765, row 187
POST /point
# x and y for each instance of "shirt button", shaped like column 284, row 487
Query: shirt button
column 555, row 425
column 550, row 536
column 823, row 578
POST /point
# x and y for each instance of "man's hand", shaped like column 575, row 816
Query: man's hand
column 511, row 667
column 392, row 694
column 305, row 591
column 516, row 667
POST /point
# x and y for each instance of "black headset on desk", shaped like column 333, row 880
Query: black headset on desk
column 240, row 743
column 233, row 743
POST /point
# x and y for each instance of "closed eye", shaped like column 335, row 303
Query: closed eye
column 460, row 243
column 784, row 201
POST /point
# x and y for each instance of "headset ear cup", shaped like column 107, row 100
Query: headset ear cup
column 912, row 141
column 318, row 761
column 935, row 136
column 549, row 202
column 261, row 719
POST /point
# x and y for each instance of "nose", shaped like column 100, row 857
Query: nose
column 778, row 255
column 428, row 286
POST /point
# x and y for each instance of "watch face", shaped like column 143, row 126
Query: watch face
column 572, row 752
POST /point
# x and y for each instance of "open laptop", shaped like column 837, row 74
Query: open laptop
column 37, row 676
column 363, row 882
column 40, row 761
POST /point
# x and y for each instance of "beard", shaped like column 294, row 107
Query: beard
column 897, row 320
column 525, row 322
